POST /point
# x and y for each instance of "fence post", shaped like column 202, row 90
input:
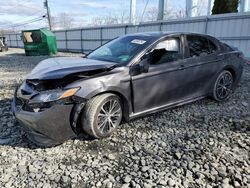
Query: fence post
column 160, row 26
column 101, row 35
column 125, row 29
column 16, row 41
column 206, row 23
column 66, row 40
column 81, row 42
column 10, row 40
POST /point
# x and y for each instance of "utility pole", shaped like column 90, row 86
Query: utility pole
column 132, row 11
column 46, row 6
column 162, row 8
column 191, row 8
column 209, row 7
column 243, row 5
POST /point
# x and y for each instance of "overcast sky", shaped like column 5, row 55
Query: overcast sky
column 83, row 11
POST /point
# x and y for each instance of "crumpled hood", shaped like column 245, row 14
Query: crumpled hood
column 59, row 67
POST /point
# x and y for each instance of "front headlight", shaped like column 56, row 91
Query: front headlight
column 54, row 95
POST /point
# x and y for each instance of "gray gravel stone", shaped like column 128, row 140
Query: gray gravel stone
column 145, row 168
column 170, row 182
column 65, row 179
column 177, row 155
column 5, row 178
column 98, row 184
column 125, row 185
column 127, row 179
column 32, row 169
column 111, row 156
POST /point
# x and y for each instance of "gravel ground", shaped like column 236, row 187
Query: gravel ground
column 203, row 144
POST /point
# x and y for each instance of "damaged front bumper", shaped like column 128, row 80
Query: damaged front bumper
column 49, row 127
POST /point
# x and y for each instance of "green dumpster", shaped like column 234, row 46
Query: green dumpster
column 39, row 42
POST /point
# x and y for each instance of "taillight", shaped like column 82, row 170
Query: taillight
column 247, row 60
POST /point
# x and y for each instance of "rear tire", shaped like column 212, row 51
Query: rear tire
column 101, row 115
column 223, row 86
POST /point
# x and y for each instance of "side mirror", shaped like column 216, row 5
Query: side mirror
column 83, row 55
column 144, row 65
column 141, row 67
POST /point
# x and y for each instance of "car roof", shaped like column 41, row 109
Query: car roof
column 160, row 34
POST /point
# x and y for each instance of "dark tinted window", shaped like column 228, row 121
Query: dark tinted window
column 198, row 46
column 166, row 51
column 212, row 46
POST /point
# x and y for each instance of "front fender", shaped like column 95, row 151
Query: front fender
column 113, row 83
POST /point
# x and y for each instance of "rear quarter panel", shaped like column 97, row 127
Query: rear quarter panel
column 234, row 63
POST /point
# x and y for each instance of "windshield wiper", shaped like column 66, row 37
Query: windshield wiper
column 113, row 66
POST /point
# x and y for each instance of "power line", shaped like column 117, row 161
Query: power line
column 23, row 22
column 16, row 21
column 19, row 21
column 27, row 22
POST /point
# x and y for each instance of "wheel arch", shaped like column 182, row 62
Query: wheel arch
column 236, row 73
column 232, row 71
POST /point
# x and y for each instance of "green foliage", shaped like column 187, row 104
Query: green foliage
column 225, row 6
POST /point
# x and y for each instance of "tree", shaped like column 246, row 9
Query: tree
column 120, row 16
column 62, row 21
column 180, row 14
column 151, row 14
column 225, row 6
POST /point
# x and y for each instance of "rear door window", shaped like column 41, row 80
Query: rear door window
column 198, row 46
column 212, row 46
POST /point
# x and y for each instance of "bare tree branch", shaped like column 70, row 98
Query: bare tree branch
column 62, row 21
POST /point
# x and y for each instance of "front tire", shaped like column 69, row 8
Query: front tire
column 101, row 115
column 223, row 86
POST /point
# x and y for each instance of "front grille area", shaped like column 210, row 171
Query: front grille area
column 22, row 103
column 28, row 108
column 19, row 102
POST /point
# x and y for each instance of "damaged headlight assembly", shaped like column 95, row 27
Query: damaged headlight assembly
column 48, row 98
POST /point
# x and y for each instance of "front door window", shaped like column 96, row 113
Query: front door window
column 166, row 51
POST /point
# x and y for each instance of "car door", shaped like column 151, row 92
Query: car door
column 163, row 83
column 201, row 64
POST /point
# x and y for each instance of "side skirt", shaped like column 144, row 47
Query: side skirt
column 164, row 107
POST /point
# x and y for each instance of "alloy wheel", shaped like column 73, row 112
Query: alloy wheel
column 224, row 86
column 109, row 116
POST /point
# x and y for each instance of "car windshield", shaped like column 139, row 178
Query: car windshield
column 122, row 49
